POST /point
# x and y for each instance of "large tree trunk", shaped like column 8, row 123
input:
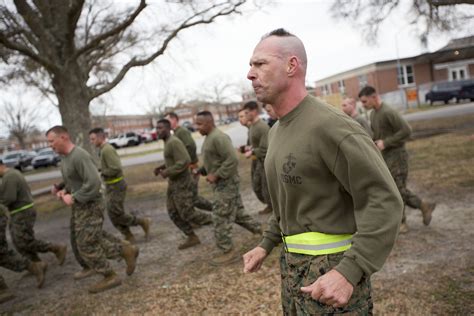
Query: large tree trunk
column 73, row 101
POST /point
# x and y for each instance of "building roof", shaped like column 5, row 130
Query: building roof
column 458, row 43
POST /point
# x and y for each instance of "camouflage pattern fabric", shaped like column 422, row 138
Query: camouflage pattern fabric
column 397, row 163
column 115, row 198
column 75, row 251
column 259, row 182
column 199, row 201
column 299, row 270
column 23, row 235
column 180, row 204
column 94, row 244
column 9, row 259
column 227, row 209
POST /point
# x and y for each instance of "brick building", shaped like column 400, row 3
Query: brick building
column 117, row 124
column 403, row 82
column 187, row 111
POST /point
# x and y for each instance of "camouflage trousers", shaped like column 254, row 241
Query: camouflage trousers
column 180, row 205
column 23, row 235
column 93, row 245
column 397, row 163
column 115, row 198
column 199, row 201
column 9, row 259
column 227, row 209
column 298, row 270
column 259, row 182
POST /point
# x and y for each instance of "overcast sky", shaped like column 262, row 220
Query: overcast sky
column 220, row 52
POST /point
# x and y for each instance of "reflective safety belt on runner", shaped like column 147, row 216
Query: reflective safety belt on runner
column 18, row 210
column 113, row 180
column 315, row 244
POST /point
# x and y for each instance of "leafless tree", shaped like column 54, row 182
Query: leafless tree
column 77, row 50
column 20, row 121
column 429, row 15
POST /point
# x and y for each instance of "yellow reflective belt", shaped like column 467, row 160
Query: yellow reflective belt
column 18, row 210
column 114, row 180
column 315, row 244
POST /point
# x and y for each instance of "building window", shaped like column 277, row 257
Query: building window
column 342, row 86
column 326, row 89
column 405, row 75
column 363, row 81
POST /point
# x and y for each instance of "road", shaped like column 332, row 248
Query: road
column 237, row 133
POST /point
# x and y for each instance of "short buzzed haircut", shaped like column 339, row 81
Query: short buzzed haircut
column 281, row 32
column 58, row 130
column 173, row 115
column 367, row 91
column 98, row 131
column 293, row 45
column 206, row 114
column 251, row 106
column 165, row 122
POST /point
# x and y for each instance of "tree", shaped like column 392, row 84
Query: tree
column 75, row 51
column 428, row 15
column 20, row 121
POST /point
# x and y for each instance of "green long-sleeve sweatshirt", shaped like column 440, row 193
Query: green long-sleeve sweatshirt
column 258, row 136
column 389, row 126
column 185, row 136
column 219, row 156
column 176, row 157
column 325, row 175
column 110, row 165
column 14, row 191
column 81, row 176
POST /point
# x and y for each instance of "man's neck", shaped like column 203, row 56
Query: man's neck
column 255, row 120
column 69, row 148
column 377, row 106
column 289, row 100
column 354, row 113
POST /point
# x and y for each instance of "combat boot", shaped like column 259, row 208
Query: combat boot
column 84, row 273
column 60, row 252
column 266, row 210
column 191, row 241
column 403, row 228
column 39, row 270
column 225, row 258
column 130, row 254
column 109, row 281
column 129, row 237
column 145, row 224
column 427, row 209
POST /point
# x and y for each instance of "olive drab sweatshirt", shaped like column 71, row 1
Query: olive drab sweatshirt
column 325, row 175
column 110, row 165
column 14, row 191
column 176, row 157
column 219, row 156
column 185, row 136
column 389, row 126
column 81, row 176
column 258, row 136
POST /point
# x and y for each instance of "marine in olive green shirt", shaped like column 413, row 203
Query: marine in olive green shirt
column 110, row 165
column 14, row 191
column 81, row 176
column 219, row 156
column 388, row 125
column 258, row 136
column 185, row 136
column 176, row 158
column 326, row 175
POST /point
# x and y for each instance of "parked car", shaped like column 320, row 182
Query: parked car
column 189, row 126
column 46, row 157
column 467, row 92
column 126, row 139
column 19, row 159
column 447, row 91
column 146, row 137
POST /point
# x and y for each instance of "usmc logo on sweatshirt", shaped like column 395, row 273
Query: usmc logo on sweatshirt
column 287, row 168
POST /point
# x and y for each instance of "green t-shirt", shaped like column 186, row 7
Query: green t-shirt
column 14, row 191
column 219, row 156
column 176, row 157
column 363, row 122
column 81, row 176
column 110, row 165
column 325, row 175
column 185, row 136
column 389, row 126
column 258, row 136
